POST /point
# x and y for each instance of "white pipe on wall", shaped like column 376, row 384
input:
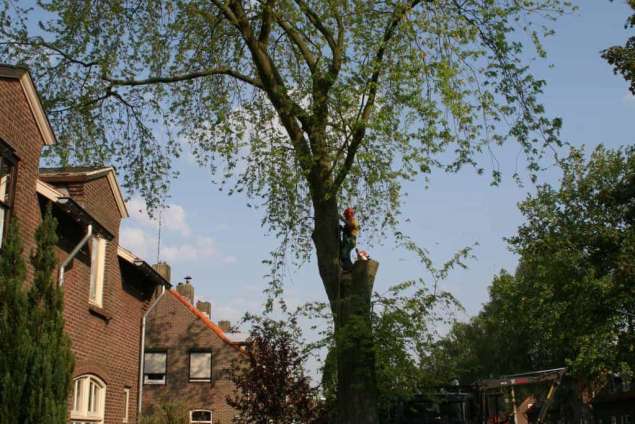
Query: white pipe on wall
column 142, row 351
column 89, row 233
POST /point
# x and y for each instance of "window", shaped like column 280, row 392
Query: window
column 154, row 367
column 201, row 366
column 97, row 268
column 200, row 417
column 7, row 177
column 126, row 403
column 89, row 399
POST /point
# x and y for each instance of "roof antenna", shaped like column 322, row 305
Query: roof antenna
column 159, row 238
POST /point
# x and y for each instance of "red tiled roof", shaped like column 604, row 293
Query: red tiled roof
column 208, row 323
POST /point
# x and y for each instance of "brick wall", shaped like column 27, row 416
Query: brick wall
column 106, row 341
column 172, row 327
column 19, row 130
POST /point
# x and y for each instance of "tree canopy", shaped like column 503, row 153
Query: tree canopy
column 622, row 58
column 571, row 301
column 273, row 386
column 276, row 96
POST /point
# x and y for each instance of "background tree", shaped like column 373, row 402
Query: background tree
column 623, row 57
column 51, row 362
column 577, row 265
column 15, row 337
column 272, row 384
column 303, row 105
column 496, row 342
column 571, row 301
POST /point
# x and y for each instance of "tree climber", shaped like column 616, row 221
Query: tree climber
column 348, row 240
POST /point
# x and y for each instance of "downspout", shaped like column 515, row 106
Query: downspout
column 89, row 233
column 142, row 350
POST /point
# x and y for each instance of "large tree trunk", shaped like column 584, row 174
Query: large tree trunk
column 349, row 295
column 356, row 383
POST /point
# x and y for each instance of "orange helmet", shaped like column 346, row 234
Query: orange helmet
column 348, row 213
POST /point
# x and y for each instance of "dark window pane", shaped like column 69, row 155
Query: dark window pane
column 201, row 415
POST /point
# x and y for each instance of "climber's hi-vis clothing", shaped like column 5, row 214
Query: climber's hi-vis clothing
column 350, row 231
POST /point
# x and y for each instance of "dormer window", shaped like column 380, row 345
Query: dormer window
column 97, row 270
column 7, row 177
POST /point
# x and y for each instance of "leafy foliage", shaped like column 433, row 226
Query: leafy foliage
column 268, row 93
column 51, row 363
column 623, row 57
column 36, row 361
column 271, row 381
column 576, row 249
column 15, row 337
column 495, row 342
column 406, row 321
column 571, row 301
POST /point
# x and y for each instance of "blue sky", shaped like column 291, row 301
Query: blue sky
column 218, row 241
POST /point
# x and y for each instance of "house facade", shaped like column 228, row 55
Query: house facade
column 187, row 358
column 107, row 289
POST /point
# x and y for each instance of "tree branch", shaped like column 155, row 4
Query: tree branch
column 297, row 39
column 39, row 42
column 267, row 20
column 288, row 111
column 338, row 54
column 359, row 132
column 109, row 93
column 184, row 77
column 315, row 19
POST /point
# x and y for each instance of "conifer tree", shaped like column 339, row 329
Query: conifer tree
column 49, row 377
column 15, row 340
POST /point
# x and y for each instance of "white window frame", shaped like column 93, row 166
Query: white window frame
column 200, row 379
column 97, row 270
column 7, row 187
column 126, row 403
column 147, row 380
column 211, row 416
column 89, row 400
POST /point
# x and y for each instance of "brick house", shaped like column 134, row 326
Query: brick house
column 107, row 290
column 187, row 357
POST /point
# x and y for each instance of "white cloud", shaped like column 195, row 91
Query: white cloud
column 173, row 218
column 184, row 250
column 178, row 243
column 138, row 241
column 191, row 250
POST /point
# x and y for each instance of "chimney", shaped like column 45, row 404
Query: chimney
column 186, row 289
column 163, row 269
column 204, row 307
column 226, row 326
